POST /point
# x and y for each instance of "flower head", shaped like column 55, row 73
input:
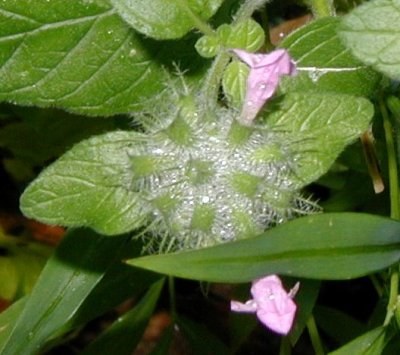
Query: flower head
column 272, row 304
column 263, row 79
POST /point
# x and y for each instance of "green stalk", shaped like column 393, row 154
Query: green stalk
column 394, row 205
column 247, row 9
column 322, row 8
column 314, row 336
column 286, row 348
column 202, row 26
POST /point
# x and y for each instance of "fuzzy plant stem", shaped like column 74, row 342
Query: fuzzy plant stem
column 394, row 205
column 314, row 336
column 210, row 87
column 322, row 8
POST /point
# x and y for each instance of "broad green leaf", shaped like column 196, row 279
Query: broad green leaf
column 322, row 246
column 124, row 335
column 76, row 55
column 321, row 125
column 67, row 279
column 370, row 343
column 324, row 63
column 166, row 19
column 371, row 32
column 89, row 186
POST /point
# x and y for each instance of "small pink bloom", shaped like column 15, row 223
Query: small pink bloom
column 263, row 79
column 272, row 304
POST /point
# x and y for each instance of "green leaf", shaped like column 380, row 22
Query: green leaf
column 234, row 82
column 201, row 340
column 305, row 300
column 247, row 35
column 166, row 19
column 371, row 32
column 371, row 343
column 124, row 335
column 208, row 46
column 323, row 246
column 338, row 325
column 9, row 317
column 321, row 126
column 67, row 279
column 325, row 64
column 20, row 265
column 89, row 186
column 76, row 55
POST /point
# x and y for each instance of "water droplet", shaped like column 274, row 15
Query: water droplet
column 132, row 52
column 316, row 74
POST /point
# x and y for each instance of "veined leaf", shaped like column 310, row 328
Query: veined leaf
column 79, row 265
column 166, row 19
column 76, row 55
column 88, row 186
column 325, row 64
column 371, row 32
column 321, row 125
column 323, row 246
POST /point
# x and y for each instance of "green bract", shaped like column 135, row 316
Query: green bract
column 198, row 178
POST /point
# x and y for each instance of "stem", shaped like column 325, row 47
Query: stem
column 210, row 87
column 394, row 205
column 314, row 336
column 322, row 8
column 286, row 348
column 248, row 7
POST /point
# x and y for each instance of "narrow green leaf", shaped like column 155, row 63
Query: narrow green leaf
column 323, row 246
column 124, row 335
column 76, row 55
column 166, row 19
column 321, row 125
column 67, row 279
column 164, row 343
column 325, row 64
column 305, row 300
column 338, row 325
column 202, row 341
column 9, row 317
column 89, row 186
column 371, row 343
column 371, row 32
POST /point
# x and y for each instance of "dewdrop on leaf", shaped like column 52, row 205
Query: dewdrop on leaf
column 274, row 306
column 263, row 79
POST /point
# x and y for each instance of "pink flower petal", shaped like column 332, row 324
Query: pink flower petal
column 263, row 79
column 249, row 307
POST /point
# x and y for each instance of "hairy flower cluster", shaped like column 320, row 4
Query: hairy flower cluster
column 207, row 179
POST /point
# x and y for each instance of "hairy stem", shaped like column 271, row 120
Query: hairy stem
column 322, row 8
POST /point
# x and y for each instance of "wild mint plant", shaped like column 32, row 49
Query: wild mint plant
column 216, row 143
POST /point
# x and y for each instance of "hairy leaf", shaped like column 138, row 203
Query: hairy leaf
column 76, row 55
column 322, row 124
column 371, row 32
column 323, row 246
column 88, row 186
column 166, row 19
column 325, row 64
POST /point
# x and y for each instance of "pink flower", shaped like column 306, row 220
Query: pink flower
column 263, row 80
column 272, row 304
